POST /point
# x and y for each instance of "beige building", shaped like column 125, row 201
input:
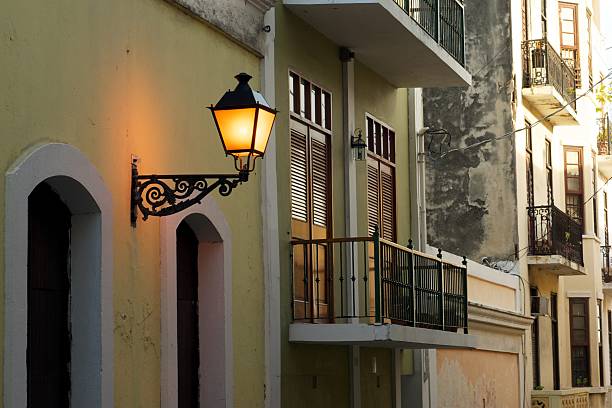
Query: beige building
column 525, row 180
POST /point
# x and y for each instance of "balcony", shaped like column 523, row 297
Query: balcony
column 549, row 83
column 411, row 43
column 368, row 291
column 566, row 398
column 555, row 241
column 606, row 267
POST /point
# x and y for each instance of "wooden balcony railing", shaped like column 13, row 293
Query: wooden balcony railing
column 368, row 279
column 543, row 66
column 552, row 232
column 443, row 20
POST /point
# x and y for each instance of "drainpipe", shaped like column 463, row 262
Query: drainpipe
column 350, row 204
column 418, row 203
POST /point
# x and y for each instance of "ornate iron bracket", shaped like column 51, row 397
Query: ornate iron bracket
column 167, row 194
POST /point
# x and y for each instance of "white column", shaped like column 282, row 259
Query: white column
column 417, row 168
column 350, row 209
column 270, row 233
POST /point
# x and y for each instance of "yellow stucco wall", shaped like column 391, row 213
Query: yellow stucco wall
column 118, row 77
column 476, row 378
column 491, row 294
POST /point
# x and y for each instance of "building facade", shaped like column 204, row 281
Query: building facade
column 525, row 182
column 98, row 312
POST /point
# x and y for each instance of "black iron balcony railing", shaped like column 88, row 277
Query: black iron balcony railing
column 542, row 65
column 443, row 20
column 372, row 280
column 606, row 267
column 552, row 232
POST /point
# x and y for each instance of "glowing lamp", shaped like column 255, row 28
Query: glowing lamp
column 244, row 121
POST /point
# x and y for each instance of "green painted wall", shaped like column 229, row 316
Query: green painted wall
column 117, row 77
column 314, row 375
column 302, row 49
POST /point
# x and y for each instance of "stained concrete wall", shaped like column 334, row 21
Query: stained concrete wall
column 240, row 19
column 471, row 199
column 482, row 378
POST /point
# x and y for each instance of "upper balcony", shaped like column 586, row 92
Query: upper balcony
column 555, row 241
column 412, row 43
column 549, row 84
column 372, row 292
column 606, row 266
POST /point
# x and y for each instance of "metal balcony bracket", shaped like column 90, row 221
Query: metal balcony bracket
column 162, row 195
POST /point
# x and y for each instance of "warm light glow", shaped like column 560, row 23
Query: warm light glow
column 236, row 128
column 265, row 120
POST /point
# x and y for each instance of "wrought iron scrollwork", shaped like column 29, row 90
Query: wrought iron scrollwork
column 162, row 195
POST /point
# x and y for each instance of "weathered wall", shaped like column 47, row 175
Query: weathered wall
column 240, row 19
column 476, row 378
column 471, row 203
column 119, row 77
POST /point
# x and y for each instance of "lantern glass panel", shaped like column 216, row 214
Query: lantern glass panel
column 236, row 128
column 265, row 120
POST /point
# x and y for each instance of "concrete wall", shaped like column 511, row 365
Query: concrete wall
column 242, row 20
column 472, row 193
column 482, row 378
column 119, row 77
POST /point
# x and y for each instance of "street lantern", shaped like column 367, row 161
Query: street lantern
column 244, row 121
column 358, row 145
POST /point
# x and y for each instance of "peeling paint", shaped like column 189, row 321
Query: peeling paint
column 471, row 194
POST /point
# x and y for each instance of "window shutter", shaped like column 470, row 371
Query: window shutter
column 373, row 197
column 387, row 213
column 299, row 177
column 320, row 171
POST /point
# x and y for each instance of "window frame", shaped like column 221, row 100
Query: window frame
column 381, row 160
column 296, row 100
column 584, row 345
column 580, row 178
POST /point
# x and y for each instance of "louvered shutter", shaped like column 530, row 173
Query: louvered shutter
column 387, row 208
column 373, row 196
column 299, row 176
column 320, row 172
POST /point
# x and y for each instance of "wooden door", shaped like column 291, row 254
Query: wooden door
column 188, row 339
column 310, row 219
column 48, row 342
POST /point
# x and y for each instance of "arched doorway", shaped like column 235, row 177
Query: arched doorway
column 187, row 333
column 58, row 282
column 196, row 309
column 48, row 347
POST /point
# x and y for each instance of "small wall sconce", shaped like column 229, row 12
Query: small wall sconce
column 358, row 145
column 244, row 121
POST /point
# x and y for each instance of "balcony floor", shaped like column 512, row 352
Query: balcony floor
column 384, row 38
column 385, row 335
column 545, row 100
column 555, row 264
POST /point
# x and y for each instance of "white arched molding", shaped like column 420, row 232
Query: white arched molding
column 81, row 188
column 215, row 314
